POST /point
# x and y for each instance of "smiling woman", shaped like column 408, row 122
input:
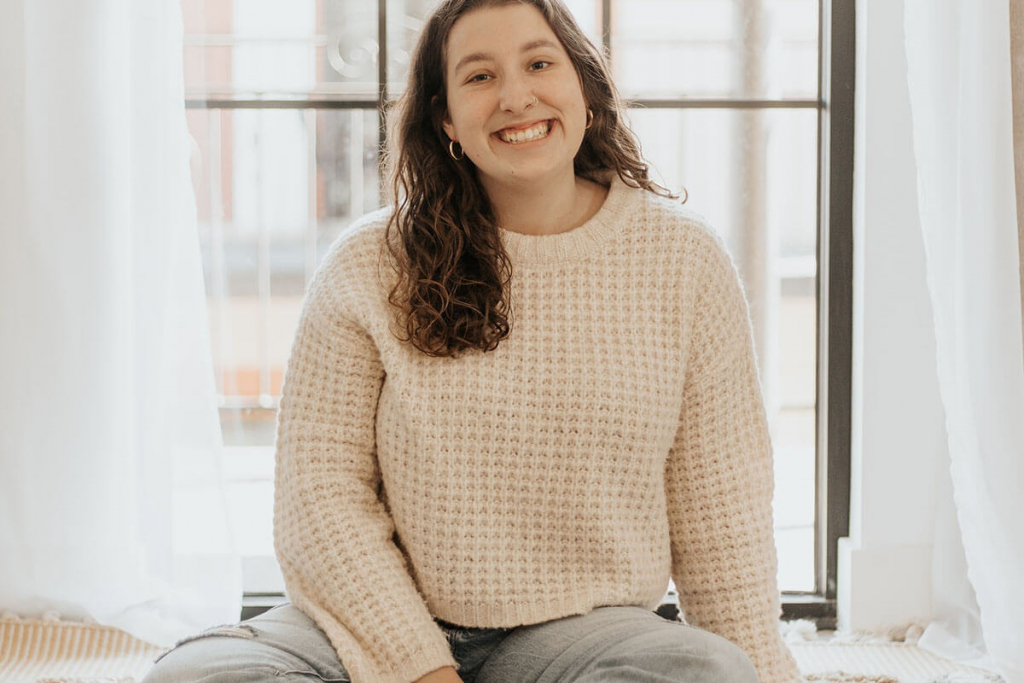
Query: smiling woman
column 446, row 510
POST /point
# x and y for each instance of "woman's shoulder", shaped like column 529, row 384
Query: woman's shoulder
column 351, row 262
column 361, row 235
column 682, row 226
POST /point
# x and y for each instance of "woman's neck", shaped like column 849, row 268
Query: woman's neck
column 549, row 209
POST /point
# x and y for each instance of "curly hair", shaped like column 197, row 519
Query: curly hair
column 453, row 271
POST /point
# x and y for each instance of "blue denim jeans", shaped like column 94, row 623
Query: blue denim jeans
column 615, row 644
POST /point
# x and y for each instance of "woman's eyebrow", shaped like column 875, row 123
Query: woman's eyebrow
column 483, row 56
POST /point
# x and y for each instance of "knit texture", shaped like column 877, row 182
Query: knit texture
column 615, row 438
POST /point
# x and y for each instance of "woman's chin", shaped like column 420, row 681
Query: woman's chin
column 528, row 174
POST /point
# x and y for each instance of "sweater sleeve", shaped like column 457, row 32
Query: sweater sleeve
column 333, row 536
column 719, row 479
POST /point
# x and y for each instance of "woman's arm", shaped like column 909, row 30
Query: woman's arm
column 332, row 534
column 719, row 478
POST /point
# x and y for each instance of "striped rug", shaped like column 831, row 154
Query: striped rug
column 51, row 650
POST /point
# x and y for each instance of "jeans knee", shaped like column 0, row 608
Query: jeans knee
column 733, row 664
column 693, row 654
column 209, row 656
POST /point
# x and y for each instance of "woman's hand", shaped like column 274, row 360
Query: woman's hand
column 446, row 674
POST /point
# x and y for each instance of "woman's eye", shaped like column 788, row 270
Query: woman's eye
column 473, row 79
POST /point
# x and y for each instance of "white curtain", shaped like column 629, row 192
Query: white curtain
column 112, row 501
column 959, row 77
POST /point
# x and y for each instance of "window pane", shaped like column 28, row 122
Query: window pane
column 273, row 190
column 753, row 175
column 347, row 48
column 715, row 48
column 299, row 47
column 273, row 48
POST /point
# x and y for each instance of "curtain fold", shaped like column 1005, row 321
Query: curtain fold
column 961, row 100
column 112, row 501
column 1017, row 82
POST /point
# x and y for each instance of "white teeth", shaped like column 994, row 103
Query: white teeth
column 538, row 131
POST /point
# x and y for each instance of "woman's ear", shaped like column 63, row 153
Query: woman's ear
column 446, row 121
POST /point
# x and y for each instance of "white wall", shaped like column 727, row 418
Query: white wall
column 897, row 437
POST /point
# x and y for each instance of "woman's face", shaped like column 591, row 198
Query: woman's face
column 499, row 59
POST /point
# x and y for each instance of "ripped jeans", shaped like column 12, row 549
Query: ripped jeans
column 614, row 644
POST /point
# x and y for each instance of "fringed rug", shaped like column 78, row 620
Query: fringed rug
column 52, row 650
column 887, row 656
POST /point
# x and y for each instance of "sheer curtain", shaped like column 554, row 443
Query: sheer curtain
column 959, row 77
column 111, row 489
column 1017, row 57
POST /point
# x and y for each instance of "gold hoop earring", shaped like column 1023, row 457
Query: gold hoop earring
column 451, row 150
column 590, row 119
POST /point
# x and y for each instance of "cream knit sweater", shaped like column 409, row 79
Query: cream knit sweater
column 615, row 438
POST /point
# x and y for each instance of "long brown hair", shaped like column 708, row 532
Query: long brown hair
column 452, row 265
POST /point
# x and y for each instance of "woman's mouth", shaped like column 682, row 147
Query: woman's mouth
column 536, row 133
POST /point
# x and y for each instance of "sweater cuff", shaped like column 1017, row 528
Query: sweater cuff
column 428, row 645
column 411, row 670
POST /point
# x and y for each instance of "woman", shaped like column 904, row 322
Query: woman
column 491, row 461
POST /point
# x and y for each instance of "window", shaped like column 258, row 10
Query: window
column 745, row 103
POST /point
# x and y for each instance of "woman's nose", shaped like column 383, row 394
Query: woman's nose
column 515, row 94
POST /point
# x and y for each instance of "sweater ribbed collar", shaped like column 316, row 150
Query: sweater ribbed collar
column 582, row 241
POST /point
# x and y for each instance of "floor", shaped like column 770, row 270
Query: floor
column 894, row 657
